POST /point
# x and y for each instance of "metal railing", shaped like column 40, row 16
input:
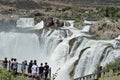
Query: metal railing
column 99, row 74
column 19, row 69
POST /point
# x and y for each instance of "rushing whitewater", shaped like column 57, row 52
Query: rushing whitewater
column 69, row 51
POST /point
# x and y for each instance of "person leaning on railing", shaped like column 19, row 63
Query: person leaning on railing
column 23, row 67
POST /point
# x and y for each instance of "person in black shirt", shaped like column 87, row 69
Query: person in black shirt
column 46, row 68
column 29, row 67
column 11, row 63
column 5, row 63
column 41, row 70
column 35, row 62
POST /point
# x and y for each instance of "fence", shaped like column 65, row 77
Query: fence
column 99, row 74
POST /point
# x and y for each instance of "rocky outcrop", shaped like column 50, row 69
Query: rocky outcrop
column 50, row 21
column 8, row 2
column 106, row 29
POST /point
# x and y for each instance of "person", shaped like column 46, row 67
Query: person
column 15, row 66
column 46, row 68
column 34, row 70
column 23, row 67
column 11, row 63
column 5, row 63
column 30, row 66
column 35, row 61
column 41, row 70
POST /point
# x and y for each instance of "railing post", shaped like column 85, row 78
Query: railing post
column 99, row 72
column 50, row 73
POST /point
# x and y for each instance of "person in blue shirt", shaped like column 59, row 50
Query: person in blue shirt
column 23, row 67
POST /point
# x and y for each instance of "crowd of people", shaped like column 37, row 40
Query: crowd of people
column 13, row 65
column 34, row 70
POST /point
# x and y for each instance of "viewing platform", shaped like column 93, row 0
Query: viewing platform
column 26, row 73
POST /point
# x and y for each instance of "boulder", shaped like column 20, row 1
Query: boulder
column 50, row 21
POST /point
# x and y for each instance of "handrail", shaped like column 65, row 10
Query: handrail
column 19, row 68
column 96, row 75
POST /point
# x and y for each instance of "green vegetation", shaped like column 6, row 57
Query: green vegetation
column 110, row 76
column 66, row 8
column 66, row 17
column 102, row 27
column 5, row 75
column 97, row 37
column 47, row 9
column 99, row 13
column 113, row 64
column 112, row 12
column 62, row 16
column 79, row 14
column 77, row 19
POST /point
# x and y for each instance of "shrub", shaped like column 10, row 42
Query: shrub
column 77, row 20
column 48, row 9
column 66, row 8
column 102, row 27
column 112, row 12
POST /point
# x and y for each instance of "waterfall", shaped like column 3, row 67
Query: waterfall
column 75, row 52
column 25, row 22
column 19, row 45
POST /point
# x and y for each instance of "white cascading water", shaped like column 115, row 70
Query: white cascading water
column 19, row 45
column 25, row 22
column 69, row 49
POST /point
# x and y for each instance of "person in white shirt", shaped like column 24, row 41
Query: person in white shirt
column 15, row 66
column 34, row 70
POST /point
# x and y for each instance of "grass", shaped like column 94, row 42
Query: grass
column 6, row 75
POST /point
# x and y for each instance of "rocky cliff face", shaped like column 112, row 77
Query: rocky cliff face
column 91, row 2
column 106, row 29
column 27, row 4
